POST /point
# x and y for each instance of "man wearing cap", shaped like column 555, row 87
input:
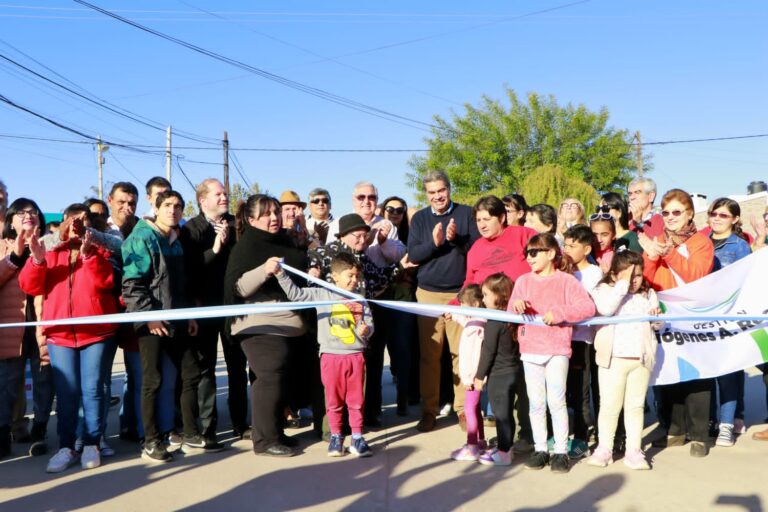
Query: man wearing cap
column 439, row 239
column 294, row 223
column 320, row 216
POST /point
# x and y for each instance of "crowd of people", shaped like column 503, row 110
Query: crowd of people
column 574, row 392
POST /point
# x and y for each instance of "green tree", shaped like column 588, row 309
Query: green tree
column 190, row 210
column 492, row 148
column 550, row 185
column 238, row 193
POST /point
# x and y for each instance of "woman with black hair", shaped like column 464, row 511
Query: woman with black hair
column 517, row 209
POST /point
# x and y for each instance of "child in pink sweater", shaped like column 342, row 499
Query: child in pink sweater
column 470, row 344
column 545, row 349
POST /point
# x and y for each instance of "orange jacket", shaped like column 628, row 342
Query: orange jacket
column 690, row 261
column 13, row 306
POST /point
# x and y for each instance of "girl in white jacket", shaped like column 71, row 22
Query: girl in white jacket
column 625, row 355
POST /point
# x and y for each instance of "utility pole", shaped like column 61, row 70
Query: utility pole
column 100, row 148
column 226, row 162
column 639, row 151
column 168, row 154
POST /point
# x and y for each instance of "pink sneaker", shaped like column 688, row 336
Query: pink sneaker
column 601, row 458
column 467, row 453
column 635, row 459
column 496, row 457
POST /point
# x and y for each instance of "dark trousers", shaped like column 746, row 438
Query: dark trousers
column 688, row 404
column 182, row 354
column 374, row 362
column 237, row 383
column 501, row 393
column 206, row 345
column 402, row 338
column 268, row 357
column 577, row 389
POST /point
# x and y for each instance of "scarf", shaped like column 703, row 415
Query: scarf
column 682, row 235
column 253, row 250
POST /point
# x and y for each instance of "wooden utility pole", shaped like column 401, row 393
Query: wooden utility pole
column 168, row 154
column 226, row 162
column 100, row 148
column 639, row 151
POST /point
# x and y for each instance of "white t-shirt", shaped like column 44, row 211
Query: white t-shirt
column 589, row 278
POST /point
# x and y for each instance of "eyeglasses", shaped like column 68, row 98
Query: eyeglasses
column 320, row 200
column 600, row 216
column 604, row 208
column 370, row 197
column 674, row 213
column 720, row 215
column 532, row 253
column 570, row 205
column 394, row 210
column 31, row 212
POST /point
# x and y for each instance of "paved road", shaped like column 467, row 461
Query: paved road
column 409, row 471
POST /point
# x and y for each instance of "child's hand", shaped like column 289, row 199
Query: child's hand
column 272, row 266
column 655, row 311
column 520, row 306
column 626, row 274
column 478, row 385
column 363, row 330
column 548, row 318
column 447, row 316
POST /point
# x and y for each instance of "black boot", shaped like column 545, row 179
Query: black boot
column 38, row 446
column 5, row 441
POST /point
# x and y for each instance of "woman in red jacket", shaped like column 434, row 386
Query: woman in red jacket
column 679, row 256
column 76, row 280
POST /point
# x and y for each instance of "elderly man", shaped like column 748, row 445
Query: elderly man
column 294, row 224
column 320, row 216
column 642, row 193
column 439, row 239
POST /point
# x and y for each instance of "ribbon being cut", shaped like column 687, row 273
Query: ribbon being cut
column 711, row 327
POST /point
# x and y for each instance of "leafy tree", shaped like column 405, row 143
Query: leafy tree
column 492, row 148
column 550, row 185
column 190, row 210
column 238, row 193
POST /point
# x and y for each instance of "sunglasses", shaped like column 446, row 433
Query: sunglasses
column 604, row 208
column 674, row 213
column 371, row 197
column 320, row 200
column 532, row 253
column 721, row 215
column 600, row 216
column 394, row 211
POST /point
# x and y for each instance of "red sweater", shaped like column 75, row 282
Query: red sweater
column 563, row 295
column 505, row 253
column 82, row 289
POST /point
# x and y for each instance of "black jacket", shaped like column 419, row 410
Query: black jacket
column 204, row 267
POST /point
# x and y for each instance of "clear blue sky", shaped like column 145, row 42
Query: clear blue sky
column 673, row 70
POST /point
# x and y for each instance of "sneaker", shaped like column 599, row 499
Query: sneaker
column 360, row 448
column 496, row 457
column 537, row 460
column 174, row 441
column 305, row 413
column 155, row 451
column 635, row 459
column 62, row 460
column 446, row 410
column 336, row 446
column 467, row 453
column 725, row 437
column 601, row 457
column 559, row 463
column 91, row 458
column 578, row 449
column 522, row 446
column 37, row 434
column 105, row 449
column 199, row 444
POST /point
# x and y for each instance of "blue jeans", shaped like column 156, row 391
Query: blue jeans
column 78, row 375
column 11, row 373
column 110, row 347
column 130, row 410
column 728, row 388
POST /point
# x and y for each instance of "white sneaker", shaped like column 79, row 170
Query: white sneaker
column 105, row 449
column 725, row 436
column 62, row 460
column 446, row 410
column 90, row 458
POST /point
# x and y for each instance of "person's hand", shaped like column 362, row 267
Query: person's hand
column 272, row 266
column 20, row 242
column 653, row 248
column 758, row 224
column 406, row 263
column 447, row 316
column 383, row 228
column 77, row 228
column 626, row 274
column 450, row 232
column 222, row 232
column 636, row 213
column 478, row 384
column 192, row 327
column 654, row 311
column 363, row 330
column 159, row 328
column 605, row 266
column 548, row 318
column 321, row 230
column 520, row 306
column 438, row 236
column 36, row 248
column 86, row 247
column 64, row 229
column 314, row 272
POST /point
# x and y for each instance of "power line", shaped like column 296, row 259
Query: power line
column 178, row 164
column 239, row 169
column 313, row 91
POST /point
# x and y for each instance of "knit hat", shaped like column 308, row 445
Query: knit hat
column 291, row 197
column 351, row 222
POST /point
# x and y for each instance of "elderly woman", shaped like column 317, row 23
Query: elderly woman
column 681, row 255
column 570, row 213
column 266, row 339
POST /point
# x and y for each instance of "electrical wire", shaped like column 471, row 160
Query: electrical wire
column 239, row 169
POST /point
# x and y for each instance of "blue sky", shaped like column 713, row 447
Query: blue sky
column 673, row 70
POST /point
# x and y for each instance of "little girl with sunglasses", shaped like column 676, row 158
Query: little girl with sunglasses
column 545, row 349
